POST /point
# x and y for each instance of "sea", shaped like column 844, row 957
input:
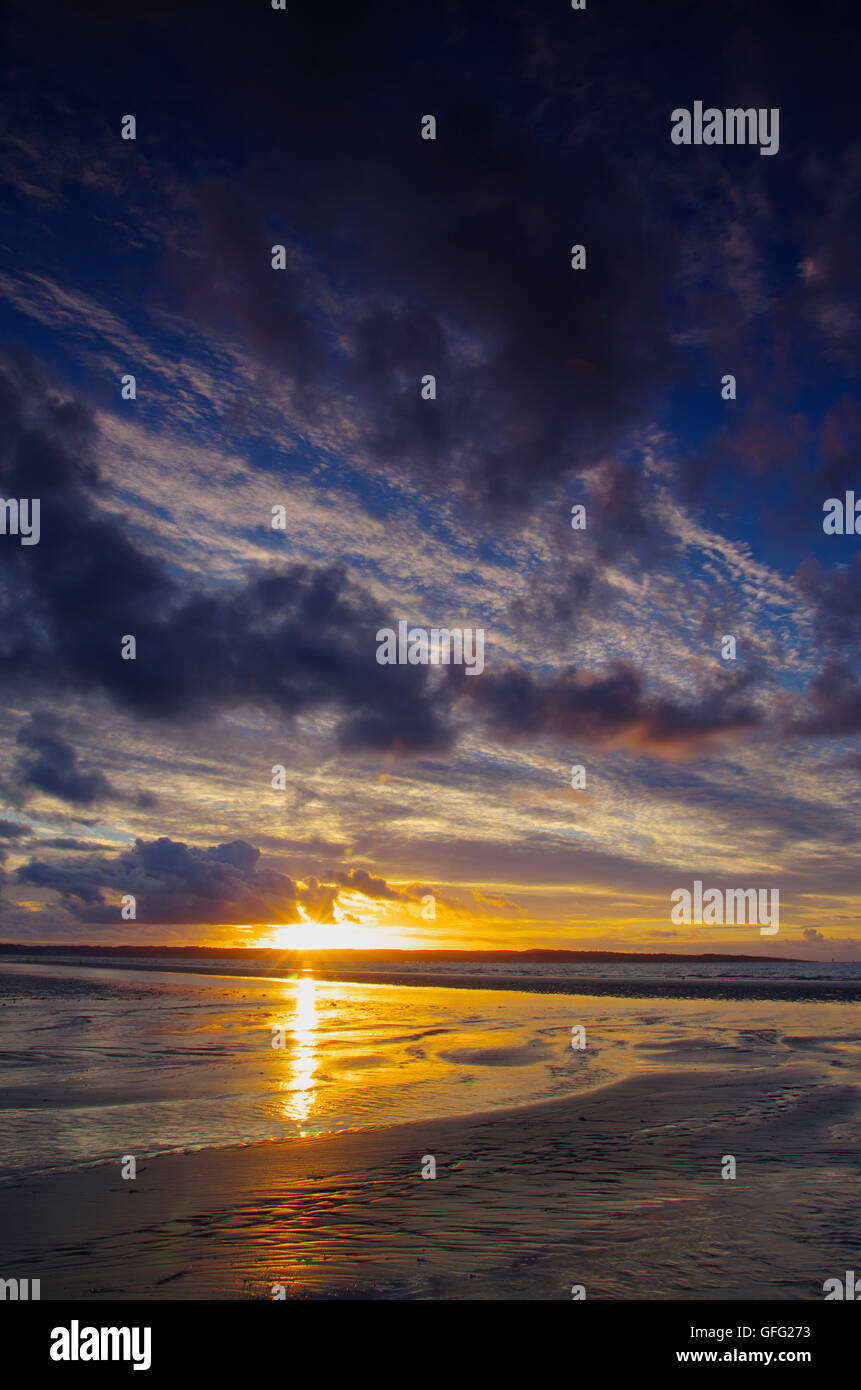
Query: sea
column 114, row 1058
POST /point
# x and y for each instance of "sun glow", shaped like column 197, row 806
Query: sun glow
column 331, row 936
column 355, row 928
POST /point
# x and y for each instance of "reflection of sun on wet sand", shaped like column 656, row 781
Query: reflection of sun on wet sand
column 613, row 1181
column 618, row 1190
column 301, row 1062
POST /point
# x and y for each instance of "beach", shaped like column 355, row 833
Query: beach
column 619, row 1192
column 610, row 1180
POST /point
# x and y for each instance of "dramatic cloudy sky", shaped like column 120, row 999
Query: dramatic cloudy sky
column 301, row 388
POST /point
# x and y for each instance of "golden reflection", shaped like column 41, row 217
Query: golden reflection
column 301, row 1060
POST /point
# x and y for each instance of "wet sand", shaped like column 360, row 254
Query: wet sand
column 823, row 991
column 637, row 986
column 619, row 1190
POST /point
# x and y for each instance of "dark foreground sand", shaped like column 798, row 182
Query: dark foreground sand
column 619, row 1190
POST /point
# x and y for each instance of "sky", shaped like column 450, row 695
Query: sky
column 424, row 805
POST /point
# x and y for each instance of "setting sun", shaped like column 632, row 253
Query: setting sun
column 333, row 936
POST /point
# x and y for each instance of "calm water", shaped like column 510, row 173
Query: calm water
column 95, row 1063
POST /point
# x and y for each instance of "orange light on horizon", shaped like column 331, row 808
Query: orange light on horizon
column 330, row 936
column 356, row 927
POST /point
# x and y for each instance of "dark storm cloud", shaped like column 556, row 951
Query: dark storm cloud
column 572, row 591
column 830, row 271
column 614, row 707
column 64, row 601
column 172, row 882
column 370, row 886
column 835, row 597
column 51, row 766
column 176, row 883
column 230, row 279
column 447, row 249
column 840, row 447
column 293, row 641
column 831, row 705
column 552, row 129
column 449, row 257
column 75, row 885
column 569, row 595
